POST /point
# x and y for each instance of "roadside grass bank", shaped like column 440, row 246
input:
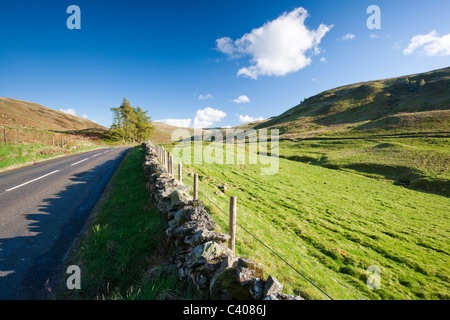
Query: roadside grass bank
column 16, row 155
column 125, row 238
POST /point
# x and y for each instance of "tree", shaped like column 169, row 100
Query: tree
column 130, row 124
column 143, row 124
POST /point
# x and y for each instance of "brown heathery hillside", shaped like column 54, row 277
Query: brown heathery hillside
column 163, row 132
column 19, row 114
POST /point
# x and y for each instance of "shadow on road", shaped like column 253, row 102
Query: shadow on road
column 30, row 266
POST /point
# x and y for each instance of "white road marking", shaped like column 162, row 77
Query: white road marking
column 46, row 175
column 21, row 185
column 79, row 161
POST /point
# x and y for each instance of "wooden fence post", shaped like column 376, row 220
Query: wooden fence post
column 180, row 172
column 4, row 135
column 195, row 186
column 170, row 164
column 232, row 224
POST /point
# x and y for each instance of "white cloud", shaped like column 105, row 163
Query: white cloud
column 348, row 36
column 374, row 36
column 397, row 45
column 73, row 113
column 225, row 45
column 245, row 119
column 241, row 99
column 429, row 45
column 184, row 123
column 205, row 97
column 205, row 118
column 279, row 47
column 323, row 59
column 69, row 111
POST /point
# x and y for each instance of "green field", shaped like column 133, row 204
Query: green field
column 417, row 163
column 332, row 225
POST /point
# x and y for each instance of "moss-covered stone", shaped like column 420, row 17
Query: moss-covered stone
column 247, row 270
column 227, row 281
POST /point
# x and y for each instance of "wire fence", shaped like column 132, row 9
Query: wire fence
column 299, row 274
column 34, row 136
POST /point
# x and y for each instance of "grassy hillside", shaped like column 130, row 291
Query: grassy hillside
column 411, row 104
column 29, row 116
column 396, row 129
column 33, row 132
column 30, row 133
column 17, row 114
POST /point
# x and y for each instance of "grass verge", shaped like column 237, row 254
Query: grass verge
column 15, row 155
column 125, row 238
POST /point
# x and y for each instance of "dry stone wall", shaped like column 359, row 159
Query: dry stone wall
column 200, row 253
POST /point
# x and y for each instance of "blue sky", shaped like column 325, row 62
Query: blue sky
column 192, row 60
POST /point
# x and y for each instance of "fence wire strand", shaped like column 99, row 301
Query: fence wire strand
column 188, row 179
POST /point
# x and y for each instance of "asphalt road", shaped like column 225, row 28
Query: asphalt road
column 43, row 208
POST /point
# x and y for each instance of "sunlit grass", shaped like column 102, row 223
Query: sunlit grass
column 125, row 238
column 17, row 154
column 419, row 163
column 332, row 225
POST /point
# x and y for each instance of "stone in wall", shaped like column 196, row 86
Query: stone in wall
column 201, row 254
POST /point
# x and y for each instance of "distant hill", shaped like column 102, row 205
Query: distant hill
column 418, row 103
column 409, row 104
column 22, row 114
column 18, row 114
column 163, row 132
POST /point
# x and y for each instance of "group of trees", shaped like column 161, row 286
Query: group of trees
column 130, row 124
